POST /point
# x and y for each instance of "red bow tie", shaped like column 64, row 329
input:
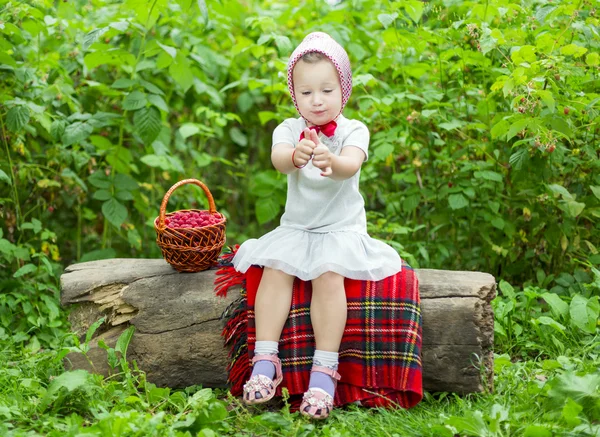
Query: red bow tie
column 328, row 129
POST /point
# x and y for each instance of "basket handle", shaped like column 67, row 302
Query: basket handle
column 163, row 205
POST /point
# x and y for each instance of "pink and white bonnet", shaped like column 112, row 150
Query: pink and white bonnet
column 326, row 45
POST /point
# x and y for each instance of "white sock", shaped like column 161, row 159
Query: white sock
column 266, row 348
column 326, row 359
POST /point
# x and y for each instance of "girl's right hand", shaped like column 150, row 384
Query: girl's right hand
column 304, row 150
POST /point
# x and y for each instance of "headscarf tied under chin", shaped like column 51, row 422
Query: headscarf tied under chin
column 326, row 45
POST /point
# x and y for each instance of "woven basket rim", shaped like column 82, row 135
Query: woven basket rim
column 158, row 228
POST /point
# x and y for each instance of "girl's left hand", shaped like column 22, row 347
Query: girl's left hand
column 322, row 157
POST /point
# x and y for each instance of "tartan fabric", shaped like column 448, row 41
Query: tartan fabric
column 380, row 354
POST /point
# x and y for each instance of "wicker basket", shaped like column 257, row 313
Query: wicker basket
column 190, row 249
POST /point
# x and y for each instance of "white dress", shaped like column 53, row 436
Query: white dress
column 324, row 227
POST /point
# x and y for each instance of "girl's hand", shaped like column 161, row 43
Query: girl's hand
column 304, row 150
column 322, row 156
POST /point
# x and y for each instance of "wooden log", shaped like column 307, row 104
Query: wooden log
column 177, row 322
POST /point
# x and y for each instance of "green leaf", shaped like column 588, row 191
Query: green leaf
column 584, row 316
column 156, row 161
column 558, row 306
column 102, row 195
column 111, row 57
column 384, row 150
column 593, row 59
column 147, row 123
column 283, row 43
column 125, row 182
column 507, row 289
column 121, row 26
column 92, row 36
column 5, row 178
column 454, row 124
column 570, row 412
column 516, row 127
column 26, row 269
column 498, row 223
column 579, row 388
column 266, row 116
column 76, row 132
column 471, row 424
column 537, row 431
column 57, row 129
column 163, row 60
column 92, row 329
column 17, row 117
column 543, row 12
column 124, row 340
column 559, row 124
column 203, row 10
column 489, row 175
column 181, row 73
column 549, row 321
column 524, row 54
column 559, row 189
column 518, row 158
column 115, row 212
column 264, row 38
column 547, row 98
column 414, row 9
column 238, row 137
column 596, row 191
column 99, row 180
column 573, row 50
column 457, row 201
column 145, row 14
column 68, row 173
column 266, row 209
column 575, row 208
column 159, row 102
column 188, row 129
column 490, row 39
column 387, row 19
column 123, row 82
column 499, row 129
column 70, row 380
column 124, row 195
column 7, row 60
column 134, row 100
column 171, row 51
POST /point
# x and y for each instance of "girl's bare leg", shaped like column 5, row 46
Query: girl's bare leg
column 272, row 306
column 328, row 311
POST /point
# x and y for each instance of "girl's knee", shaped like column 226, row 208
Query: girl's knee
column 328, row 281
column 277, row 275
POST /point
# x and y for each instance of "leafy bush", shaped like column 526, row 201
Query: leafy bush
column 484, row 151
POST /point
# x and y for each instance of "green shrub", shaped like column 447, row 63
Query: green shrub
column 483, row 116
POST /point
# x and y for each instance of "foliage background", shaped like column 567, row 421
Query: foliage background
column 484, row 151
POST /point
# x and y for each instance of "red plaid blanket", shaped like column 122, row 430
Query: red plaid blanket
column 380, row 354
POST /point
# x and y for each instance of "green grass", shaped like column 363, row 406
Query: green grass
column 554, row 396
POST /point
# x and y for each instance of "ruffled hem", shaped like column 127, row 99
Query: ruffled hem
column 307, row 255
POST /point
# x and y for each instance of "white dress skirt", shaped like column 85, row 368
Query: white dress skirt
column 323, row 228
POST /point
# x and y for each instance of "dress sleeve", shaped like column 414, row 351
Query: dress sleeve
column 284, row 134
column 358, row 136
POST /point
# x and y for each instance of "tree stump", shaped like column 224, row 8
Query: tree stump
column 177, row 320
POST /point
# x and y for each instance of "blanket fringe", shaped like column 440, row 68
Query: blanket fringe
column 227, row 275
column 235, row 332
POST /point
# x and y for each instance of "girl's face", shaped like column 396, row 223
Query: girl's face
column 318, row 91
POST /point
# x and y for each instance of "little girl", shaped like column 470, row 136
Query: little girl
column 323, row 235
